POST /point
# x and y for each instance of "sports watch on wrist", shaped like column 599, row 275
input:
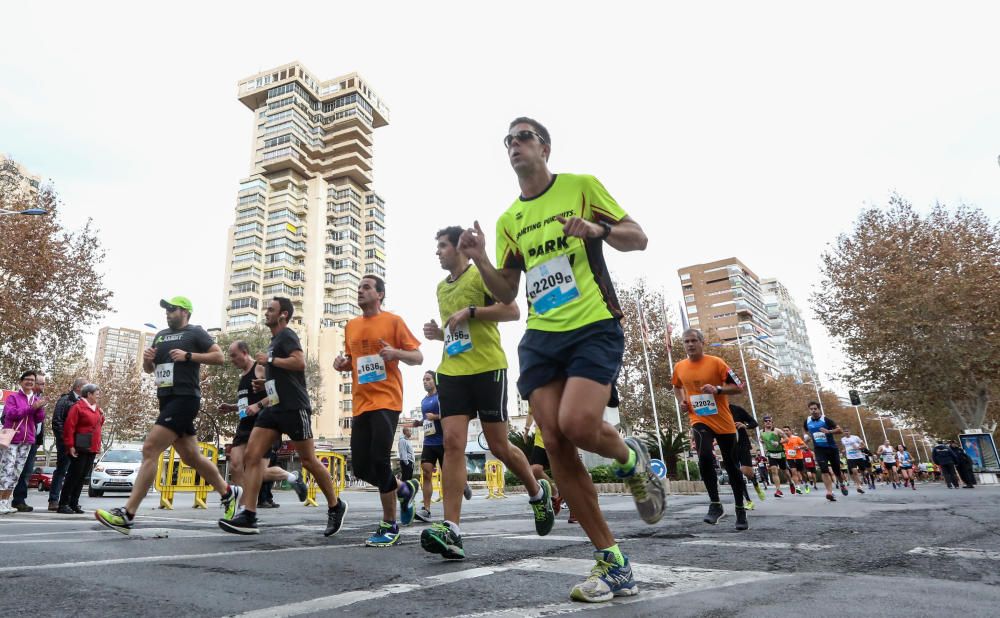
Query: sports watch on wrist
column 187, row 357
column 472, row 311
column 607, row 229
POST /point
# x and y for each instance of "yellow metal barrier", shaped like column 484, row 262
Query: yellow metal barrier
column 495, row 481
column 435, row 484
column 336, row 464
column 170, row 467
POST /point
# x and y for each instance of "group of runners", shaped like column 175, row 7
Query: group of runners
column 569, row 357
column 554, row 234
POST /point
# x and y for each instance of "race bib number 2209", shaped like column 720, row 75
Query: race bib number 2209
column 552, row 285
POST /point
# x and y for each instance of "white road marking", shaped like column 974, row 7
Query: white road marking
column 760, row 545
column 956, row 552
column 551, row 537
column 173, row 558
column 678, row 579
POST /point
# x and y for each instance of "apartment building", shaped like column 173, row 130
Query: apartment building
column 307, row 223
column 724, row 300
column 788, row 328
column 121, row 346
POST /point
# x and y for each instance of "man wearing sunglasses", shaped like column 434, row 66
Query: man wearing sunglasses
column 571, row 352
column 175, row 361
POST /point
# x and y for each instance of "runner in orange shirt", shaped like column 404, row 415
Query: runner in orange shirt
column 701, row 383
column 794, row 454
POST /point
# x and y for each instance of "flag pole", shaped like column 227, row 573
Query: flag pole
column 670, row 362
column 649, row 378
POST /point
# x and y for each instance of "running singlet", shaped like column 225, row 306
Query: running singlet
column 245, row 395
column 473, row 346
column 852, row 444
column 568, row 285
column 815, row 427
column 433, row 434
column 772, row 443
column 904, row 460
column 377, row 384
column 793, row 447
column 709, row 410
column 889, row 456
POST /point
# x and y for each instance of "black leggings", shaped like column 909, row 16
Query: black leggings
column 372, row 436
column 703, row 442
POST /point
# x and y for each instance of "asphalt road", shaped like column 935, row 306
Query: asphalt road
column 886, row 553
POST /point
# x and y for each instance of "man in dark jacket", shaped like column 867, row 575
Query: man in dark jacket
column 58, row 422
column 943, row 456
column 964, row 465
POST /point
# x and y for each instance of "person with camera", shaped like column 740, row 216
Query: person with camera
column 82, row 437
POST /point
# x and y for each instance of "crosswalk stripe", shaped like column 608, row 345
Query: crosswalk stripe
column 956, row 552
column 760, row 545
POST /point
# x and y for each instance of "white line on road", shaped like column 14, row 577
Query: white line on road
column 760, row 545
column 553, row 537
column 956, row 552
column 679, row 579
column 174, row 558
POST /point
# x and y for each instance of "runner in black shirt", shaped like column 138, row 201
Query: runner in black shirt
column 248, row 405
column 175, row 359
column 288, row 413
column 745, row 422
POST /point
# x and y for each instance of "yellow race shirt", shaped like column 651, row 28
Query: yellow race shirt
column 474, row 347
column 568, row 285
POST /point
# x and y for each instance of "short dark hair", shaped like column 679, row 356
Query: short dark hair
column 539, row 127
column 431, row 373
column 453, row 232
column 285, row 306
column 379, row 284
column 814, row 403
column 242, row 345
column 26, row 374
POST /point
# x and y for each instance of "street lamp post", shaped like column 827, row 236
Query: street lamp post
column 27, row 211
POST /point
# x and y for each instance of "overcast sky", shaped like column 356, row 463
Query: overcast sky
column 751, row 130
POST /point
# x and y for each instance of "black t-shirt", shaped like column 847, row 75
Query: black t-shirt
column 740, row 415
column 246, row 396
column 290, row 385
column 179, row 377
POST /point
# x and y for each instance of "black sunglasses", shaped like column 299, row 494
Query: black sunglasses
column 522, row 136
column 171, row 308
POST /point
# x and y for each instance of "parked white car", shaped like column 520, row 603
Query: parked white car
column 115, row 471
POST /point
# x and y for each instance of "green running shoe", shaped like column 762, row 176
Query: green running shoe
column 807, row 490
column 648, row 490
column 748, row 504
column 441, row 539
column 116, row 519
column 545, row 515
column 231, row 504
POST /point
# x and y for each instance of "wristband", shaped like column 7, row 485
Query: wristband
column 187, row 357
column 472, row 311
column 607, row 230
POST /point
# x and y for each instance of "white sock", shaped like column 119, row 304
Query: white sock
column 538, row 496
column 291, row 477
column 454, row 527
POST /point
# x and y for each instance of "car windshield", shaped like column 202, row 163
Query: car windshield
column 122, row 457
column 48, row 470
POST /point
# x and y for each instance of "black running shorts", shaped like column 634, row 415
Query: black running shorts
column 177, row 413
column 296, row 424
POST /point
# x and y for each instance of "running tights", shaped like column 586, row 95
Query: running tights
column 704, row 437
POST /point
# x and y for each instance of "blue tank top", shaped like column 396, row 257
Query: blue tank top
column 433, row 432
column 820, row 439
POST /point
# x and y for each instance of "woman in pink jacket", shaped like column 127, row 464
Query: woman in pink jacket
column 22, row 412
column 82, row 437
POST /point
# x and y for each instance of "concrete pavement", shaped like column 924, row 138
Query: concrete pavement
column 889, row 552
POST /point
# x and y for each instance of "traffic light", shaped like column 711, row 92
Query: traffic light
column 855, row 397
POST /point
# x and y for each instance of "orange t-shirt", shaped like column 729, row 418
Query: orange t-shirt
column 382, row 385
column 709, row 410
column 794, row 447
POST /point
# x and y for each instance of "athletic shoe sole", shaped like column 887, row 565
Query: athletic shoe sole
column 434, row 545
column 122, row 529
column 229, row 527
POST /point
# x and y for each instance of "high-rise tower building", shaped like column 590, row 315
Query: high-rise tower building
column 791, row 341
column 121, row 346
column 723, row 296
column 308, row 224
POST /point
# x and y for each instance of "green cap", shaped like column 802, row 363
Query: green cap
column 177, row 301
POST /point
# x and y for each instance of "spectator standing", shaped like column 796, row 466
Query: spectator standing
column 964, row 464
column 943, row 456
column 405, row 455
column 22, row 413
column 62, row 453
column 82, row 439
column 21, row 489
